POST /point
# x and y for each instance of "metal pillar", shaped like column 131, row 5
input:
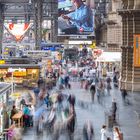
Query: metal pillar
column 1, row 26
column 38, row 18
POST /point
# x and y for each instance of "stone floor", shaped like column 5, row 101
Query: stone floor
column 126, row 116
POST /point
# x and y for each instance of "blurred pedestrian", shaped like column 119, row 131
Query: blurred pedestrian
column 114, row 110
column 124, row 95
column 108, row 85
column 116, row 134
column 88, row 131
column 71, row 122
column 66, row 81
column 13, row 112
column 103, row 133
column 31, row 114
column 100, row 91
column 26, row 116
column 92, row 91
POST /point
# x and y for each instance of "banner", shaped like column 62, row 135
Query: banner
column 136, row 50
column 75, row 18
column 18, row 30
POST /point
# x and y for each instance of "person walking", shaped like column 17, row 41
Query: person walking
column 103, row 133
column 13, row 112
column 92, row 91
column 108, row 85
column 100, row 91
column 124, row 95
column 114, row 110
column 88, row 131
column 26, row 116
column 116, row 134
column 66, row 81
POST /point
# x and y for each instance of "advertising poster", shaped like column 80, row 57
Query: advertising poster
column 75, row 17
column 137, row 50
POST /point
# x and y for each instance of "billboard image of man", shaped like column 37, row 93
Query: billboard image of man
column 79, row 20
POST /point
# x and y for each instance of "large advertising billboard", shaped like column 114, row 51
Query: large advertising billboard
column 76, row 17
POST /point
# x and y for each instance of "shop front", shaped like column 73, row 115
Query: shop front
column 5, row 90
column 109, row 62
column 20, row 74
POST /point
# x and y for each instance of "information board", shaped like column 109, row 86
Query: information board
column 136, row 50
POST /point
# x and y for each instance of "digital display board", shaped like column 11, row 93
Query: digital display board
column 75, row 18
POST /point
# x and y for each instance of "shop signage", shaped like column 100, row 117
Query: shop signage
column 137, row 50
column 16, row 69
column 19, row 73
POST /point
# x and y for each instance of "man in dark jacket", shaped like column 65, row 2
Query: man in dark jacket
column 92, row 91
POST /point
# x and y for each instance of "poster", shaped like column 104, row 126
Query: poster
column 75, row 17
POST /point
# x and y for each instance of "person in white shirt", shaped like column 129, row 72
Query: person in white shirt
column 103, row 133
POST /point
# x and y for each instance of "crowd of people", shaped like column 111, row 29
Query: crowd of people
column 53, row 109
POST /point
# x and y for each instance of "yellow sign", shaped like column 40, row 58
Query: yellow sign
column 93, row 45
column 137, row 50
column 2, row 62
column 19, row 73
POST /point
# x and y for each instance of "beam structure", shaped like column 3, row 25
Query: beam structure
column 38, row 19
column 54, row 25
column 1, row 26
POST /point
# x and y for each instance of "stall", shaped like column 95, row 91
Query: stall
column 107, row 61
column 20, row 74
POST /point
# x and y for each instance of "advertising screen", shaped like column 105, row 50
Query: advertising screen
column 76, row 17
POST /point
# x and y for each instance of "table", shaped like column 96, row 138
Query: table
column 19, row 117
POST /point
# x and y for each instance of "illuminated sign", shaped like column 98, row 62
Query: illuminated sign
column 19, row 73
column 137, row 50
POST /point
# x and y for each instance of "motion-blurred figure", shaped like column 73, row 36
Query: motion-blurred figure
column 88, row 131
column 92, row 91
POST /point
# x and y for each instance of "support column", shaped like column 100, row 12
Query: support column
column 54, row 21
column 129, row 58
column 124, row 27
column 123, row 67
column 136, row 70
column 124, row 52
column 38, row 18
column 1, row 26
